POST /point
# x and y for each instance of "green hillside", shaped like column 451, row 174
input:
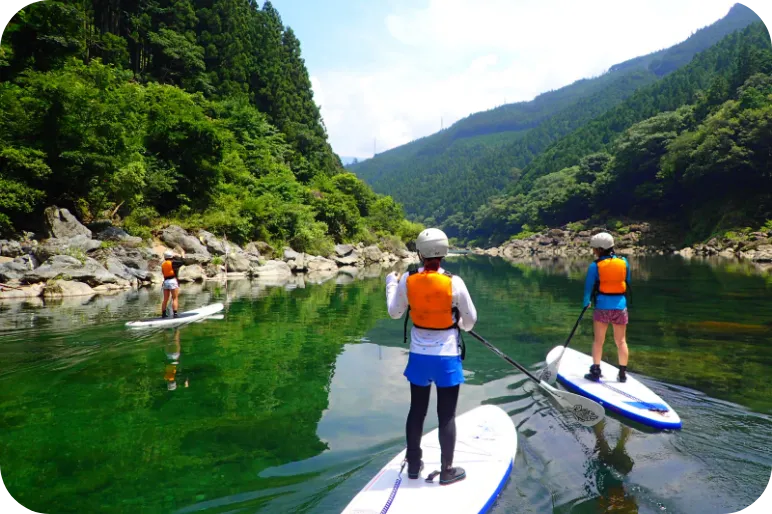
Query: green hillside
column 443, row 178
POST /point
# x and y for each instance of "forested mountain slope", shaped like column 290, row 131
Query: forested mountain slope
column 443, row 178
column 200, row 111
column 692, row 149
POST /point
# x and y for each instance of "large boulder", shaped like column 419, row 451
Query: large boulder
column 192, row 273
column 61, row 224
column 238, row 262
column 318, row 264
column 10, row 248
column 372, row 254
column 70, row 268
column 261, row 248
column 174, row 235
column 118, row 235
column 273, row 269
column 217, row 246
column 17, row 268
column 32, row 291
column 196, row 258
column 343, row 250
column 77, row 245
column 63, row 288
column 122, row 271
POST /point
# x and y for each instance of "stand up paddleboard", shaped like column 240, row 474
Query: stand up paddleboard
column 631, row 399
column 184, row 317
column 486, row 443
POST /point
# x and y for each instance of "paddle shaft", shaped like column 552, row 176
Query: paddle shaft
column 576, row 325
column 504, row 356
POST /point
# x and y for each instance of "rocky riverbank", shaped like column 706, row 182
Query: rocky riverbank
column 73, row 260
column 636, row 239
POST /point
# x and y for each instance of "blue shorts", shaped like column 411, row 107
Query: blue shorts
column 422, row 370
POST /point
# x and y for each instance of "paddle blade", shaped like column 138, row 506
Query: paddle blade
column 550, row 373
column 586, row 411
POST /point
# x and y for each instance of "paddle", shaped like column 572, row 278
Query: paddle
column 586, row 411
column 550, row 373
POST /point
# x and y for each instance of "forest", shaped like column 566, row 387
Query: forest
column 142, row 112
column 597, row 148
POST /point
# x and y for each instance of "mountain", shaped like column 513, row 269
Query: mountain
column 199, row 112
column 446, row 176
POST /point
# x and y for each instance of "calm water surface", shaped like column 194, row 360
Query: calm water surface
column 296, row 398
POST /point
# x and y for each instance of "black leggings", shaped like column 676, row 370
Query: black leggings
column 447, row 398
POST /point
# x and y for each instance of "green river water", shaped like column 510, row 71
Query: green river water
column 295, row 399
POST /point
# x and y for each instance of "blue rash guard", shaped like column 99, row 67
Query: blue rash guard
column 605, row 302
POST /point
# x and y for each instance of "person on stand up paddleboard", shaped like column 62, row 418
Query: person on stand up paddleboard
column 440, row 307
column 607, row 284
column 171, row 285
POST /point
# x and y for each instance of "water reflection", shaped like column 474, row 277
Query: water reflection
column 173, row 351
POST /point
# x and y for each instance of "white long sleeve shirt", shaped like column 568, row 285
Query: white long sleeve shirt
column 432, row 342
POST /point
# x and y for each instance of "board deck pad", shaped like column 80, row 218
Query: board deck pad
column 631, row 399
column 184, row 317
column 486, row 444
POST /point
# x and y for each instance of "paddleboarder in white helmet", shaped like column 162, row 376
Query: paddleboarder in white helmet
column 171, row 285
column 439, row 306
column 608, row 283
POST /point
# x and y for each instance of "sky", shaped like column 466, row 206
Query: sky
column 386, row 72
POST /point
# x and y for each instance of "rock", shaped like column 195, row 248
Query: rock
column 214, row 245
column 174, row 235
column 89, row 271
column 4, row 260
column 122, row 271
column 238, row 262
column 290, row 254
column 343, row 250
column 687, row 252
column 763, row 254
column 191, row 273
column 372, row 254
column 196, row 258
column 135, row 258
column 727, row 253
column 320, row 276
column 320, row 264
column 261, row 248
column 78, row 245
column 62, row 288
column 214, row 270
column 118, row 235
column 32, row 291
column 351, row 260
column 108, row 289
column 273, row 269
column 16, row 269
column 10, row 248
column 61, row 224
column 556, row 232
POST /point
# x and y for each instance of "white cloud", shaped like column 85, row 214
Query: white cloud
column 452, row 58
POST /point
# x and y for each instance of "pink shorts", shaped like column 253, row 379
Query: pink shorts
column 613, row 316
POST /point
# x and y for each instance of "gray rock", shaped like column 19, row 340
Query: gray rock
column 124, row 272
column 61, row 224
column 290, row 254
column 261, row 248
column 17, row 268
column 63, row 288
column 118, row 235
column 174, row 235
column 196, row 258
column 351, row 260
column 109, row 289
column 57, row 246
column 274, row 269
column 238, row 262
column 320, row 264
column 191, row 273
column 343, row 250
column 70, row 268
column 10, row 248
column 372, row 254
column 214, row 245
column 32, row 291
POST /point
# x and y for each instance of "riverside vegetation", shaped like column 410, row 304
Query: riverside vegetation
column 146, row 115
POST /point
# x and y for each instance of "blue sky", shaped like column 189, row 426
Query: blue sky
column 391, row 70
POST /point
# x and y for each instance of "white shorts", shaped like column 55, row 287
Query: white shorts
column 171, row 284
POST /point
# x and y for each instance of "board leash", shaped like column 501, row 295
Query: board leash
column 394, row 489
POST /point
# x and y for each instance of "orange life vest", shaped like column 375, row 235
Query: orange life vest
column 168, row 270
column 613, row 276
column 430, row 297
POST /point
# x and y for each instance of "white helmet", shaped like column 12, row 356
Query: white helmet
column 603, row 240
column 168, row 254
column 431, row 243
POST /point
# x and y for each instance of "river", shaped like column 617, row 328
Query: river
column 295, row 399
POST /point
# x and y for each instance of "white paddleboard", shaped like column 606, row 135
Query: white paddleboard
column 631, row 399
column 486, row 443
column 184, row 317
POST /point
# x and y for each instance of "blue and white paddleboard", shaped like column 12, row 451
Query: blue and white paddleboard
column 631, row 399
column 184, row 317
column 486, row 443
